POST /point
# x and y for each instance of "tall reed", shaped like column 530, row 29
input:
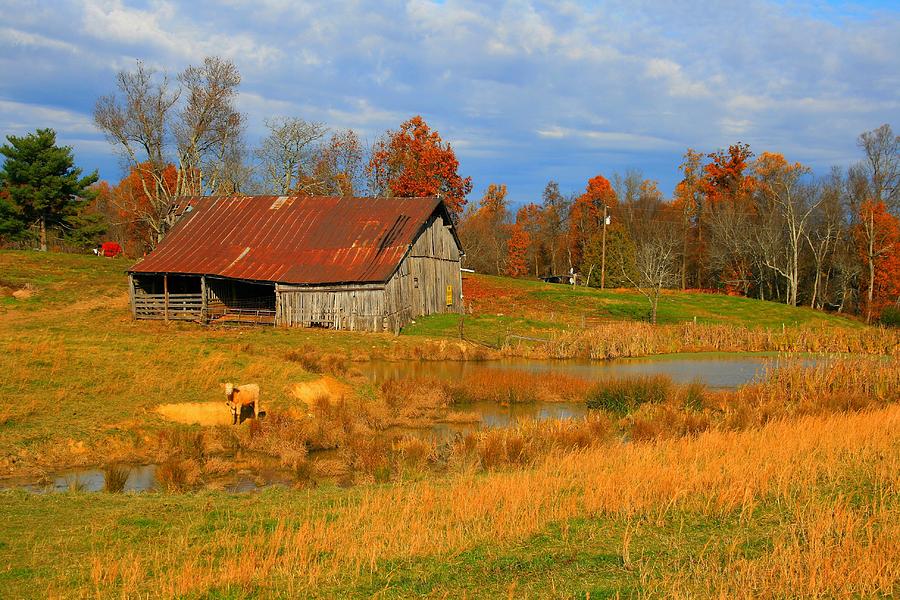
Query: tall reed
column 714, row 474
column 625, row 339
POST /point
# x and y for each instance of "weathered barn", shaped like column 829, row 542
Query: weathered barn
column 345, row 263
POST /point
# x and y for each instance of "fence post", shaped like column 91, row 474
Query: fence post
column 131, row 296
column 203, row 305
column 166, row 297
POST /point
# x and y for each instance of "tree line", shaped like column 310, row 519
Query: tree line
column 754, row 225
column 738, row 222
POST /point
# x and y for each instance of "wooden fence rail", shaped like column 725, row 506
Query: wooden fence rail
column 178, row 307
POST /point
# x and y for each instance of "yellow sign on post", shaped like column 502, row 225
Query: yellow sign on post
column 449, row 295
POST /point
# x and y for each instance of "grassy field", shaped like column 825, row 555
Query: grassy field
column 794, row 509
column 728, row 493
column 500, row 305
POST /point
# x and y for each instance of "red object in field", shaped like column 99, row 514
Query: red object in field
column 110, row 249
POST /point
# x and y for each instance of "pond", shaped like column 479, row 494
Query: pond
column 715, row 370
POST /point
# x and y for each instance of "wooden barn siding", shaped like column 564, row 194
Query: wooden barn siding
column 353, row 307
column 417, row 288
column 434, row 264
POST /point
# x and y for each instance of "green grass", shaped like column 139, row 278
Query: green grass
column 491, row 329
column 529, row 307
column 45, row 541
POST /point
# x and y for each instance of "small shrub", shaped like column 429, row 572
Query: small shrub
column 171, row 475
column 890, row 317
column 304, row 474
column 114, row 478
column 621, row 396
column 413, row 452
column 184, row 442
column 491, row 449
column 367, row 453
column 75, row 485
column 307, row 358
column 695, row 396
column 314, row 362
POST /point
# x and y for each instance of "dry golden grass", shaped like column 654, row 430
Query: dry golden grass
column 626, row 339
column 329, row 388
column 794, row 390
column 197, row 413
column 510, row 386
column 715, row 473
column 849, row 384
column 826, row 550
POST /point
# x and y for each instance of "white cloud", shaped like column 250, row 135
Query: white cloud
column 520, row 87
column 19, row 118
column 15, row 37
column 609, row 140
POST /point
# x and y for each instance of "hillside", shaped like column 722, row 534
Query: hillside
column 497, row 305
column 544, row 504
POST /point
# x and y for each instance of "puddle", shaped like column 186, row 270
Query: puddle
column 141, row 478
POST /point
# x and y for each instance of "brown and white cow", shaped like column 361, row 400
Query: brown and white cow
column 239, row 396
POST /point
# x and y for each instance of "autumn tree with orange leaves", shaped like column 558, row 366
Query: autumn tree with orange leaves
column 414, row 162
column 523, row 248
column 723, row 224
column 877, row 236
column 484, row 231
column 136, row 210
column 587, row 213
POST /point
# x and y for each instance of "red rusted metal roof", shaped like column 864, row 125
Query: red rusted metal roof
column 292, row 239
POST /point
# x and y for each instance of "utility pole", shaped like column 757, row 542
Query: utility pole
column 603, row 249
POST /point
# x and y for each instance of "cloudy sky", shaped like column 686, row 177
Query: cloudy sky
column 526, row 91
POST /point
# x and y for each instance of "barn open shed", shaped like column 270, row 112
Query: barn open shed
column 368, row 264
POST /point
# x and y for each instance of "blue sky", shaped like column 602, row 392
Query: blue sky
column 525, row 91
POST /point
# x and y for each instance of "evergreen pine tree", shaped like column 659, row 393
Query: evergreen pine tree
column 43, row 185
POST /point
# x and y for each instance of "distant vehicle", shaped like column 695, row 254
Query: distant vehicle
column 570, row 279
column 555, row 279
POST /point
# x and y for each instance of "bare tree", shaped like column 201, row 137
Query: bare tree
column 139, row 126
column 208, row 125
column 790, row 204
column 194, row 126
column 341, row 165
column 824, row 230
column 655, row 262
column 882, row 163
column 288, row 155
column 731, row 244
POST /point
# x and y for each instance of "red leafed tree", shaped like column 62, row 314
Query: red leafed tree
column 878, row 242
column 586, row 215
column 414, row 162
column 517, row 250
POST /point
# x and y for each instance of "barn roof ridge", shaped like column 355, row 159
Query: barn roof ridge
column 300, row 240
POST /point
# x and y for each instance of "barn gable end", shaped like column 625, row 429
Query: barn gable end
column 426, row 278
